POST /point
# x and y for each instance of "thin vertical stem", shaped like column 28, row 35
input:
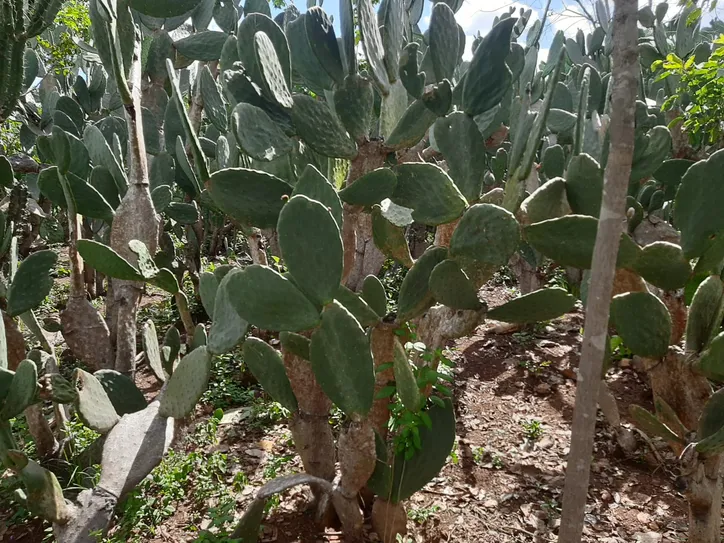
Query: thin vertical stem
column 610, row 226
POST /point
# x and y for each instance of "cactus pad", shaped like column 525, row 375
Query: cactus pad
column 186, row 385
column 94, row 406
column 584, row 185
column 228, row 328
column 542, row 305
column 257, row 134
column 711, row 362
column 321, row 129
column 548, row 201
column 152, row 350
column 297, row 344
column 208, row 286
column 663, row 265
column 373, row 292
column 371, row 188
column 450, row 286
column 106, row 261
column 405, row 380
column 164, row 9
column 32, row 282
column 698, row 204
column 649, row 424
column 266, row 365
column 429, row 192
column 487, row 234
column 353, row 303
column 315, row 186
column 249, row 196
column 22, row 390
column 390, row 238
column 342, row 361
column 643, row 322
column 705, row 314
column 123, row 393
column 415, row 293
column 312, row 247
column 461, row 143
column 264, row 298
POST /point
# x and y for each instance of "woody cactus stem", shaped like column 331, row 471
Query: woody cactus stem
column 13, row 37
column 310, row 425
column 135, row 218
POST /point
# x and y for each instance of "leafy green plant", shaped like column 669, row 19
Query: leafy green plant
column 532, row 429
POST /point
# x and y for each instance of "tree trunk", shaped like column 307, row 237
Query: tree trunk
column 704, row 493
column 612, row 219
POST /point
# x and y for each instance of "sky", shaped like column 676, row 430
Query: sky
column 478, row 16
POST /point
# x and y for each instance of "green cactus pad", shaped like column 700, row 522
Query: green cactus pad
column 264, row 298
column 94, row 406
column 549, row 201
column 249, row 196
column 373, row 292
column 303, row 58
column 711, row 362
column 61, row 149
column 487, row 234
column 657, row 148
column 200, row 338
column 164, row 9
column 266, row 365
column 62, row 391
column 698, row 204
column 711, row 420
column 323, row 42
column 342, row 361
column 171, row 348
column 390, row 238
column 187, row 384
column 411, row 127
column 161, row 197
column 228, row 328
column 663, row 265
column 44, row 495
column 257, row 134
column 554, row 161
column 204, row 46
column 643, row 322
column 584, row 185
column 410, row 75
column 570, row 240
column 22, row 390
column 296, row 344
column 321, row 129
column 405, row 380
column 461, row 143
column 429, row 192
column 371, row 188
column 108, row 262
column 488, row 77
column 89, row 202
column 450, row 286
column 6, row 380
column 315, row 186
column 436, row 443
column 560, row 121
column 649, row 424
column 208, row 286
column 271, row 71
column 32, row 282
column 415, row 294
column 101, row 155
column 123, row 393
column 214, row 106
column 354, row 101
column 444, row 43
column 152, row 350
column 359, row 308
column 704, row 314
column 311, row 245
column 670, row 174
column 372, row 42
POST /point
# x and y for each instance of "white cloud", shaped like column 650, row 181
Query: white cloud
column 476, row 16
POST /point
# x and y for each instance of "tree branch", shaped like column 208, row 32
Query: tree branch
column 610, row 227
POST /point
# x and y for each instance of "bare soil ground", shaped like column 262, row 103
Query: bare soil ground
column 514, row 398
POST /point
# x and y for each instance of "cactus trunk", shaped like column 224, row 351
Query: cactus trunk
column 704, row 494
column 383, row 345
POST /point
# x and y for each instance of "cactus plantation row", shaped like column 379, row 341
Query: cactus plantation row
column 196, row 120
